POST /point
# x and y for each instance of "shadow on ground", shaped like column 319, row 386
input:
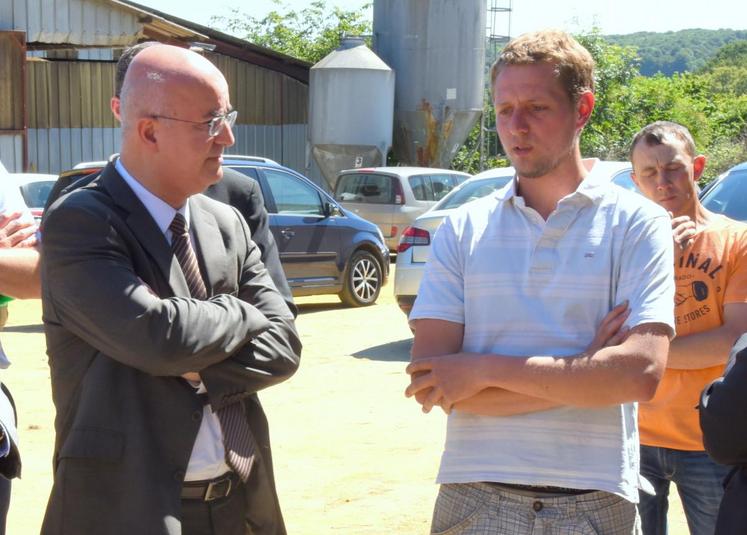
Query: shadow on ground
column 35, row 328
column 304, row 308
column 398, row 351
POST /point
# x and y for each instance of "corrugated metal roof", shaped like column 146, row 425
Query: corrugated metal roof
column 88, row 22
column 235, row 47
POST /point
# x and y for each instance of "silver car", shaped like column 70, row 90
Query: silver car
column 415, row 244
column 393, row 197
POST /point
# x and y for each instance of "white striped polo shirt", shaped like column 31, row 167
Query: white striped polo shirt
column 524, row 286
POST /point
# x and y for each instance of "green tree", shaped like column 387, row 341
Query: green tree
column 308, row 34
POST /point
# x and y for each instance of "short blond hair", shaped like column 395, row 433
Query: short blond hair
column 574, row 65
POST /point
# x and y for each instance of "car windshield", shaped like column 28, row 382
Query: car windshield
column 35, row 194
column 472, row 190
column 365, row 188
column 624, row 180
column 728, row 196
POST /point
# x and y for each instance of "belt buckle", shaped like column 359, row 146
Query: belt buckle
column 213, row 491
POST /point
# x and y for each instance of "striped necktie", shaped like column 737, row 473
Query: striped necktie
column 237, row 437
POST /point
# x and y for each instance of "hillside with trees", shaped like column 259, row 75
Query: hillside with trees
column 676, row 52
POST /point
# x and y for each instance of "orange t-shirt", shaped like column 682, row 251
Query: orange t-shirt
column 710, row 273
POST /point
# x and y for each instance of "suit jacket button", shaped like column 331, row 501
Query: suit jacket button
column 197, row 416
column 179, row 476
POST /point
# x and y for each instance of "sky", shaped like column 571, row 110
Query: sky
column 611, row 16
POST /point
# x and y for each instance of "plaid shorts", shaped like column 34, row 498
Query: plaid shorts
column 486, row 509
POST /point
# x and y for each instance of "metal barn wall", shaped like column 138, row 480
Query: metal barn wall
column 80, row 22
column 52, row 150
column 12, row 64
column 69, row 94
column 11, row 152
column 70, row 121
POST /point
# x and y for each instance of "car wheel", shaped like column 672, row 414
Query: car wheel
column 362, row 280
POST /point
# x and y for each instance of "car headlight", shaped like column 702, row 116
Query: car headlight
column 381, row 235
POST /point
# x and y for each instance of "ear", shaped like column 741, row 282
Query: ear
column 699, row 163
column 584, row 107
column 114, row 104
column 147, row 133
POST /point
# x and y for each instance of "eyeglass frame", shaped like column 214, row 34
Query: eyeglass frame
column 215, row 125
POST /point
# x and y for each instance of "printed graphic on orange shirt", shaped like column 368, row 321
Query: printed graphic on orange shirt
column 695, row 283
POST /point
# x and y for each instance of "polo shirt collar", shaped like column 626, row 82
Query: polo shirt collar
column 592, row 187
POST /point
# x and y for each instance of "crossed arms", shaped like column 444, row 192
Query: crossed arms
column 101, row 287
column 618, row 366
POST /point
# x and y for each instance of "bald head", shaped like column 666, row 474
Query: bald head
column 157, row 78
column 170, row 98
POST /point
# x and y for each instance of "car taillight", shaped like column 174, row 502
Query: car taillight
column 413, row 236
column 399, row 195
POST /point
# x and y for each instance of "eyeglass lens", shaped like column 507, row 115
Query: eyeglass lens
column 217, row 124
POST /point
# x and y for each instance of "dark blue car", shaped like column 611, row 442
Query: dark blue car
column 324, row 249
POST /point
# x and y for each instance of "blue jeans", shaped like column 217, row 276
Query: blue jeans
column 699, row 481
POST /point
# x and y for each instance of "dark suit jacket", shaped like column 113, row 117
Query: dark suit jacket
column 723, row 419
column 121, row 329
column 240, row 191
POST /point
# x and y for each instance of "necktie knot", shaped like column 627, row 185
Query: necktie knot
column 178, row 226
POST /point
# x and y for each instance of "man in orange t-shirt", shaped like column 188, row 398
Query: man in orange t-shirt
column 710, row 314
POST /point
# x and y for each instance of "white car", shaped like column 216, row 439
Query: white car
column 392, row 197
column 415, row 244
column 34, row 188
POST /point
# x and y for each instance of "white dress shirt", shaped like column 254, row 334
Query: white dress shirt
column 208, row 453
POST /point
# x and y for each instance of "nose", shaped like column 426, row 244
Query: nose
column 662, row 180
column 517, row 123
column 225, row 136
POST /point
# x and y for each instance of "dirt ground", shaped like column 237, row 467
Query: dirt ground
column 352, row 454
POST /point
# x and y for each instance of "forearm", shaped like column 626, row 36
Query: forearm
column 617, row 374
column 269, row 358
column 583, row 380
column 19, row 273
column 702, row 350
column 500, row 402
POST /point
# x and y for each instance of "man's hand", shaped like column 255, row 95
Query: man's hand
column 448, row 379
column 683, row 230
column 611, row 331
column 192, row 376
column 14, row 232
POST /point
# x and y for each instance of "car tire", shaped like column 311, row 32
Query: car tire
column 363, row 277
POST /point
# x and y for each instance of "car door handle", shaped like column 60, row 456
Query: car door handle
column 287, row 233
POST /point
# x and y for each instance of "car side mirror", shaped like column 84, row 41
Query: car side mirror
column 331, row 209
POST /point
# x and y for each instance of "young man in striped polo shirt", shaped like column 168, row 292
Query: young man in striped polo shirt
column 545, row 313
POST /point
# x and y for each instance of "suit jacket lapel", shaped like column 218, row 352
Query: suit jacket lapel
column 145, row 229
column 210, row 249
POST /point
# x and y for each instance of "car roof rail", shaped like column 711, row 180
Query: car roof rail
column 260, row 159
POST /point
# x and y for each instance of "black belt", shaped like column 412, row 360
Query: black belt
column 208, row 491
column 541, row 489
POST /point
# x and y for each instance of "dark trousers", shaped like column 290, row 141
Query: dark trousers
column 4, row 502
column 225, row 516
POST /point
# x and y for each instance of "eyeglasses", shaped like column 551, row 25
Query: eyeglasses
column 215, row 125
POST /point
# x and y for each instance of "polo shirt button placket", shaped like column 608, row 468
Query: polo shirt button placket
column 537, row 506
